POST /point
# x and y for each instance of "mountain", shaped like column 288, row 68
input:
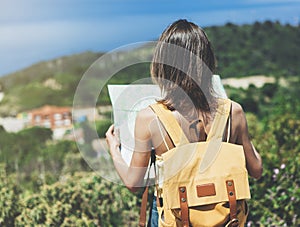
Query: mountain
column 50, row 82
column 263, row 48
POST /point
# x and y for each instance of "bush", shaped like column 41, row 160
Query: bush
column 84, row 199
column 276, row 196
column 9, row 199
column 102, row 127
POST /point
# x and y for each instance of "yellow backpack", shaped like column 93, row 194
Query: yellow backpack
column 202, row 183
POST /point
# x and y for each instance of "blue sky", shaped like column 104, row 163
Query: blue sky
column 37, row 30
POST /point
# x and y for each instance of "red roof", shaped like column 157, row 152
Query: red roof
column 47, row 109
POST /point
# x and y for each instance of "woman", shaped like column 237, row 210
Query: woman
column 183, row 65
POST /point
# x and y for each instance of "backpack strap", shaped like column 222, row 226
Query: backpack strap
column 220, row 120
column 215, row 134
column 143, row 209
column 170, row 123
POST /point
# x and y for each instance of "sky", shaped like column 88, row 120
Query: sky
column 38, row 30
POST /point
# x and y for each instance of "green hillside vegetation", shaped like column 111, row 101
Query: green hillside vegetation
column 48, row 183
column 52, row 82
column 267, row 48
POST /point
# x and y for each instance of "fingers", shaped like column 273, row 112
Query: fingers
column 117, row 133
column 110, row 131
column 112, row 137
column 109, row 134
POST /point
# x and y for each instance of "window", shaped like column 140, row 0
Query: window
column 57, row 116
column 37, row 118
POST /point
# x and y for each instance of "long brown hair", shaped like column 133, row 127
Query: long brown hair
column 183, row 65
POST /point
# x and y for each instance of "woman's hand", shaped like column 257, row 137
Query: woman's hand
column 112, row 139
column 133, row 174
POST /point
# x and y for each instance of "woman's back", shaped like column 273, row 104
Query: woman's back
column 195, row 130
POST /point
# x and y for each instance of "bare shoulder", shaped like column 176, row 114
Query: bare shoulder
column 239, row 122
column 237, row 111
column 145, row 115
column 142, row 126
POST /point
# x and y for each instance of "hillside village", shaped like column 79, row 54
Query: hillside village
column 59, row 119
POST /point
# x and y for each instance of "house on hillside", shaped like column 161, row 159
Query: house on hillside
column 53, row 117
column 57, row 118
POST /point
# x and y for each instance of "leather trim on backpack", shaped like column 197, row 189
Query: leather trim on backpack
column 232, row 202
column 206, row 190
column 184, row 206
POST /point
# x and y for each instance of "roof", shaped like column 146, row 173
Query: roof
column 47, row 109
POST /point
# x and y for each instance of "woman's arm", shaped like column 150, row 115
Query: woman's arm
column 133, row 175
column 253, row 159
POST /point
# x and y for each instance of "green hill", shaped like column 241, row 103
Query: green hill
column 50, row 82
column 267, row 48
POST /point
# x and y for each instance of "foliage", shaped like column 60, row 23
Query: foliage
column 69, row 197
column 80, row 200
column 267, row 48
column 34, row 158
column 102, row 127
column 17, row 149
column 9, row 199
column 275, row 197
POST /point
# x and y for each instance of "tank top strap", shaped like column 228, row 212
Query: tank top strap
column 170, row 124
